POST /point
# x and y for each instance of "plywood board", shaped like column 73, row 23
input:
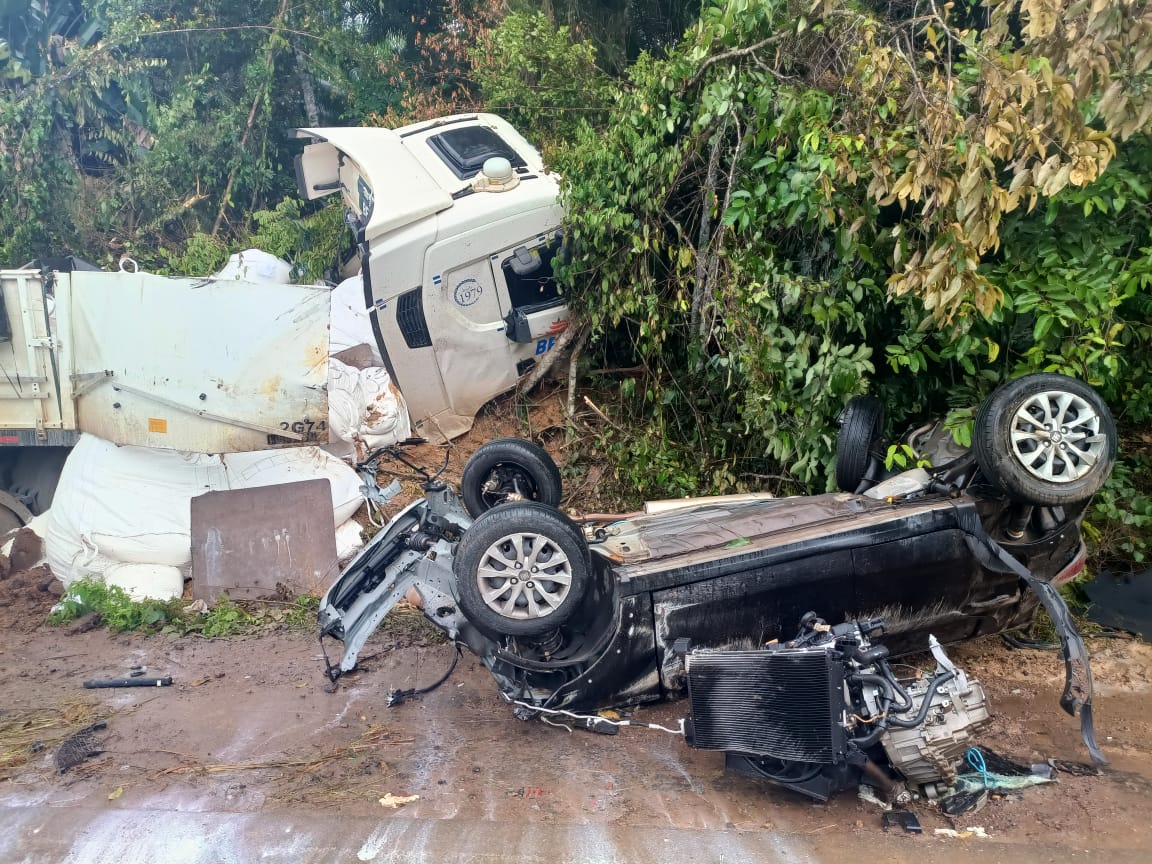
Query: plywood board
column 247, row 542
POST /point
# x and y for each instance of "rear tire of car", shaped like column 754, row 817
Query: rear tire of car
column 1045, row 439
column 509, row 469
column 861, row 426
column 522, row 569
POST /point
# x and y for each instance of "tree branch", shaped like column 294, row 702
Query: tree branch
column 734, row 54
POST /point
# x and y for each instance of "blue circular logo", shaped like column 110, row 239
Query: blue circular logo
column 468, row 291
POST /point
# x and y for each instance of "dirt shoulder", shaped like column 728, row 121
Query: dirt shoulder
column 248, row 729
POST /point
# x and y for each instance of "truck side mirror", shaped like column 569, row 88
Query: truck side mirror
column 523, row 262
column 517, row 327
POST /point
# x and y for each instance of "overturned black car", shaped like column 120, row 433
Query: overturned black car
column 576, row 618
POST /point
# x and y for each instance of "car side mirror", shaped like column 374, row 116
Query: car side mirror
column 524, row 262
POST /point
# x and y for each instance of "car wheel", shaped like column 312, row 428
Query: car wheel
column 506, row 470
column 1045, row 439
column 522, row 569
column 860, row 428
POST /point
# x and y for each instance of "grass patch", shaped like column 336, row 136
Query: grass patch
column 120, row 613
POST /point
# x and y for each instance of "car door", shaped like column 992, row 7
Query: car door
column 752, row 605
column 928, row 581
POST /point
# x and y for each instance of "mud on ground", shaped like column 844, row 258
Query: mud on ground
column 249, row 728
column 28, row 590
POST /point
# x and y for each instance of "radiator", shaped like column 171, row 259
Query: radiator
column 786, row 703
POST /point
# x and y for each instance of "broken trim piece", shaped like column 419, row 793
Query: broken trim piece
column 1077, row 669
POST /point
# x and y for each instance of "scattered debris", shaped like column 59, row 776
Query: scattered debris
column 1076, row 769
column 79, row 747
column 106, row 683
column 393, row 801
column 964, row 802
column 84, row 623
column 867, row 794
column 902, row 819
column 23, row 733
column 975, row 831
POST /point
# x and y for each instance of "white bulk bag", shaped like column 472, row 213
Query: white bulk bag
column 132, row 505
column 350, row 324
column 269, row 467
column 256, row 265
column 364, row 405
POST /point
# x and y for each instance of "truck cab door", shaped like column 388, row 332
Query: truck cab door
column 535, row 311
column 465, row 326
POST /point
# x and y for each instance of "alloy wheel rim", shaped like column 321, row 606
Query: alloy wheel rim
column 1055, row 436
column 524, row 576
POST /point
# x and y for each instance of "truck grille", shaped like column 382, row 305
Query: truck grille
column 410, row 319
column 785, row 704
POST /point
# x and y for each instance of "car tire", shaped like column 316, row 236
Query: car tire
column 1045, row 439
column 513, row 539
column 509, row 469
column 861, row 426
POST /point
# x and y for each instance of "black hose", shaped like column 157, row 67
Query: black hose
column 919, row 718
column 903, row 694
column 872, row 737
column 1025, row 643
column 782, row 778
column 890, row 687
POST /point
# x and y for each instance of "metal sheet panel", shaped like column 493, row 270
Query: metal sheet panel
column 203, row 365
column 249, row 541
column 33, row 386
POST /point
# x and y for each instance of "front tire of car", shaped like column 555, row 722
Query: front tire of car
column 1045, row 439
column 522, row 569
column 507, row 470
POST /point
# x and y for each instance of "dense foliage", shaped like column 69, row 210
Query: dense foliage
column 805, row 201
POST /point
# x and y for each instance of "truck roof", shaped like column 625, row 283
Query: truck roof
column 400, row 176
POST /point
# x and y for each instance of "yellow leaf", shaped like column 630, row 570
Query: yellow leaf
column 115, row 793
column 993, row 350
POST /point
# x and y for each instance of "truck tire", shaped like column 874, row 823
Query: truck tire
column 522, row 569
column 506, row 470
column 1045, row 439
column 13, row 514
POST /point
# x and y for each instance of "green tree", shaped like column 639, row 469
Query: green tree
column 798, row 190
column 534, row 75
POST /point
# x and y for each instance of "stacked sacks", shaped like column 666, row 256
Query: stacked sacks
column 123, row 514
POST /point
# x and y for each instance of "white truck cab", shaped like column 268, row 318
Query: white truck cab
column 456, row 223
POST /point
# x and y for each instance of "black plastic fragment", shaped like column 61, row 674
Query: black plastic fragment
column 964, row 802
column 79, row 746
column 902, row 819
